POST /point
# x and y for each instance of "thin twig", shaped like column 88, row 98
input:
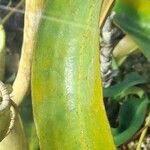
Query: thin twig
column 9, row 4
column 4, row 20
column 5, row 97
column 2, row 51
column 33, row 14
column 147, row 124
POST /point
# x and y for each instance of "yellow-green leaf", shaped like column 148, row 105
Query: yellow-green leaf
column 66, row 88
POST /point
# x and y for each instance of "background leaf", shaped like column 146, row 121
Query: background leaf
column 134, row 90
column 130, row 80
column 133, row 17
column 131, row 116
column 29, row 126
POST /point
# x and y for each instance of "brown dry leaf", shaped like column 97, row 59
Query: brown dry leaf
column 106, row 7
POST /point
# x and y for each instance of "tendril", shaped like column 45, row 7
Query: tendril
column 7, row 105
column 110, row 36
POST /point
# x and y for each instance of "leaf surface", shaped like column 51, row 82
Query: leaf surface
column 66, row 92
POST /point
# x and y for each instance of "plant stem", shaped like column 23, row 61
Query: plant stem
column 2, row 51
column 21, row 85
column 9, row 4
column 4, row 20
column 16, row 139
column 147, row 124
column 124, row 48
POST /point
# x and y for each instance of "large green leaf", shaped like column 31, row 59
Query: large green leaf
column 131, row 116
column 66, row 91
column 133, row 17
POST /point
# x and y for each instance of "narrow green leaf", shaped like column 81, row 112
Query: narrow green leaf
column 131, row 117
column 134, row 90
column 129, row 81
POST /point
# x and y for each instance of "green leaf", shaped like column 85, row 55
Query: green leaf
column 66, row 92
column 29, row 126
column 123, row 49
column 131, row 117
column 129, row 81
column 134, row 90
column 133, row 17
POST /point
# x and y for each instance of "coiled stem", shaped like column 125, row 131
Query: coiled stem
column 110, row 36
column 7, row 105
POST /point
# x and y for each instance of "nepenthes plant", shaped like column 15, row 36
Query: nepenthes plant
column 60, row 59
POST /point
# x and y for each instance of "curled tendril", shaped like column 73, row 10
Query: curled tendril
column 12, row 120
column 110, row 36
column 5, row 104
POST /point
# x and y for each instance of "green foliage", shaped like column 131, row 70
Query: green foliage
column 132, row 102
column 66, row 93
column 133, row 17
column 122, row 87
column 67, row 99
column 28, row 123
column 131, row 116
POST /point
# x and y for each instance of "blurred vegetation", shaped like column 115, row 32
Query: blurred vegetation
column 13, row 28
column 126, row 100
